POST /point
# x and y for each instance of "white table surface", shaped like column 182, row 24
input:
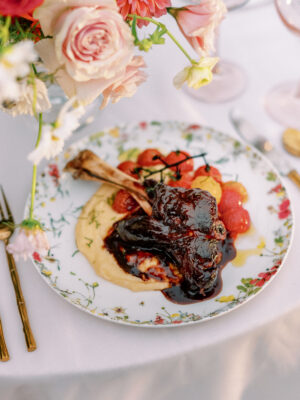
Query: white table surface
column 250, row 353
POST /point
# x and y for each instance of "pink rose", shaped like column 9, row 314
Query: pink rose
column 91, row 47
column 126, row 86
column 198, row 23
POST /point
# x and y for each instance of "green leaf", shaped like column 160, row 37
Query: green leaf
column 257, row 289
column 279, row 240
column 271, row 176
column 155, row 123
column 246, row 281
column 241, row 288
column 75, row 252
column 96, row 136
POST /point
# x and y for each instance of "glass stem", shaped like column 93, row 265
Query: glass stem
column 216, row 68
column 297, row 94
column 33, row 184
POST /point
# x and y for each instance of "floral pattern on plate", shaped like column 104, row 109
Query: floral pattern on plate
column 60, row 200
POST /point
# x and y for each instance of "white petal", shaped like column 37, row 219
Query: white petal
column 46, row 51
column 181, row 77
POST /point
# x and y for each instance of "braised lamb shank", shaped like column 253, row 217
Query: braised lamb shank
column 184, row 231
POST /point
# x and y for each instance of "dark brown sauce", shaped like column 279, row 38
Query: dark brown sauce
column 181, row 295
column 184, row 241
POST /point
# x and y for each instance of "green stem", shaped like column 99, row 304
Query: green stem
column 167, row 32
column 33, row 185
column 22, row 33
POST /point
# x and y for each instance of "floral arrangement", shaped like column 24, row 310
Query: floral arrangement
column 88, row 48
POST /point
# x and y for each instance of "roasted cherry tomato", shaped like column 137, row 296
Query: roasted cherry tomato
column 145, row 159
column 128, row 167
column 236, row 220
column 184, row 182
column 207, row 170
column 230, row 199
column 210, row 185
column 180, row 155
column 124, row 202
column 237, row 187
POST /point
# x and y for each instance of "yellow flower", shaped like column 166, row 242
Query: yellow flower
column 226, row 299
column 114, row 132
column 175, row 315
column 196, row 75
column 262, row 244
column 46, row 272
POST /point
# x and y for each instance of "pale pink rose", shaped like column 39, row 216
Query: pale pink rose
column 199, row 22
column 128, row 84
column 29, row 241
column 91, row 45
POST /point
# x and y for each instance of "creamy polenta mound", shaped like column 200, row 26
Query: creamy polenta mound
column 94, row 223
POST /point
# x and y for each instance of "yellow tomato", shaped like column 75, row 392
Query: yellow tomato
column 210, row 185
column 236, row 187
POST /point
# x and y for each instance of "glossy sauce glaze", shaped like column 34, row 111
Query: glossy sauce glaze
column 183, row 242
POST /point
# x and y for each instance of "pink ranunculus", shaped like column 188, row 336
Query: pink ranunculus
column 127, row 85
column 198, row 23
column 91, row 45
column 18, row 7
column 143, row 8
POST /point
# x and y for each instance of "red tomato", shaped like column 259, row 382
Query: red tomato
column 145, row 159
column 229, row 199
column 128, row 167
column 184, row 182
column 236, row 220
column 124, row 202
column 180, row 155
column 206, row 170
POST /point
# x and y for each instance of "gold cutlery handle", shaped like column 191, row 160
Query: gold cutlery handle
column 4, row 356
column 295, row 177
column 30, row 341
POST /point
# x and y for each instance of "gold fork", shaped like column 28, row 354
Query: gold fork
column 6, row 230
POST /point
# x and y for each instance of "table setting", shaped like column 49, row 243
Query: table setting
column 69, row 327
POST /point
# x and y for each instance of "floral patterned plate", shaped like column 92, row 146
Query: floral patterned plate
column 261, row 251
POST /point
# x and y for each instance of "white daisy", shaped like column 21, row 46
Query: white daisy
column 54, row 136
column 27, row 92
column 14, row 64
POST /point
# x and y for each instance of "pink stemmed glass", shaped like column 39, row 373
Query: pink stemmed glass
column 283, row 102
column 229, row 79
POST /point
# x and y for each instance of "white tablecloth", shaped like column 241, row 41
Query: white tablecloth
column 251, row 353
